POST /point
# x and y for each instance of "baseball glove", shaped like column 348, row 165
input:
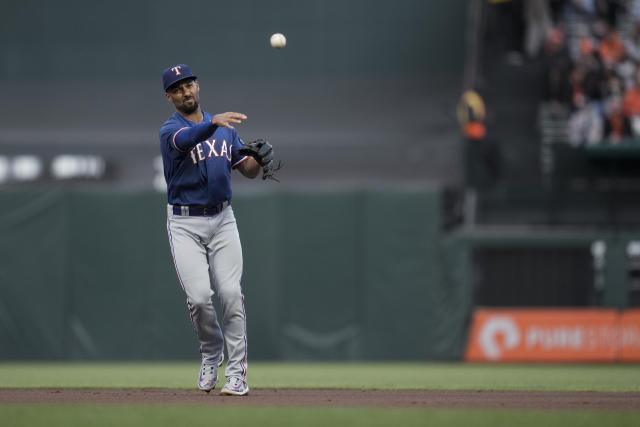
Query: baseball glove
column 262, row 151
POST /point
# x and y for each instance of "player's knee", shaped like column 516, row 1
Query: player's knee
column 200, row 298
column 231, row 296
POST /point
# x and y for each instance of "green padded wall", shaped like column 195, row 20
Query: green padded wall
column 353, row 275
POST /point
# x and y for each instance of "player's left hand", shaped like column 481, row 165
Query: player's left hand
column 262, row 151
column 259, row 149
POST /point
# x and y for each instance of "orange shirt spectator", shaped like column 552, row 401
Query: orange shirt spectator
column 611, row 48
column 631, row 103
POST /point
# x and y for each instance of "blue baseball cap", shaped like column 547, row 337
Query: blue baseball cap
column 176, row 73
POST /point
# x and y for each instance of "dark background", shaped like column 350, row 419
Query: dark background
column 364, row 90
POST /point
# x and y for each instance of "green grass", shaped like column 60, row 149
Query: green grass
column 120, row 415
column 391, row 375
column 438, row 376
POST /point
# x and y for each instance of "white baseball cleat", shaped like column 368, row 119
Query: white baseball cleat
column 235, row 387
column 208, row 377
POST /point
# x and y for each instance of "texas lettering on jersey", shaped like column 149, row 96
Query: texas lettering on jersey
column 207, row 149
column 190, row 180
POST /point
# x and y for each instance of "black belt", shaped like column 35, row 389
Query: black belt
column 200, row 210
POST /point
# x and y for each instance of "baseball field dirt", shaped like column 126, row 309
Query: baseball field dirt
column 332, row 397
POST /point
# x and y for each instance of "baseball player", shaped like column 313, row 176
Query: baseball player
column 198, row 152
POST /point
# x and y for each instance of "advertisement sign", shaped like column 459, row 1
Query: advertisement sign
column 630, row 336
column 554, row 335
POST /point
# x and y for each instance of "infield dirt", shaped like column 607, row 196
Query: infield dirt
column 331, row 397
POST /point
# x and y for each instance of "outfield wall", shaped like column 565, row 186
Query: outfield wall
column 357, row 274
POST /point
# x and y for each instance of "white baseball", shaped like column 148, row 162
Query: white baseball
column 278, row 41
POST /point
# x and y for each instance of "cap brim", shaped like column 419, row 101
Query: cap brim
column 179, row 80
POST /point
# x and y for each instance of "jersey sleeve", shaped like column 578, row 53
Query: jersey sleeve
column 184, row 139
column 236, row 158
column 181, row 139
column 166, row 139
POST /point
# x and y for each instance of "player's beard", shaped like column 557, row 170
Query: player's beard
column 188, row 109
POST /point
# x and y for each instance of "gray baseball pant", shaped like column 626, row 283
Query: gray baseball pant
column 207, row 255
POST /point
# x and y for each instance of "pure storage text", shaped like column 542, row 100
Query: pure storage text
column 529, row 335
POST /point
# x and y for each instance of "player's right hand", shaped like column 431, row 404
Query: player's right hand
column 225, row 119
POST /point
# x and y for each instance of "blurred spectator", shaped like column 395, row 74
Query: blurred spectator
column 600, row 84
column 538, row 24
column 586, row 124
column 616, row 124
column 586, row 48
column 557, row 65
column 611, row 48
column 631, row 106
column 471, row 113
column 574, row 40
column 626, row 68
column 589, row 62
column 483, row 159
column 632, row 44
